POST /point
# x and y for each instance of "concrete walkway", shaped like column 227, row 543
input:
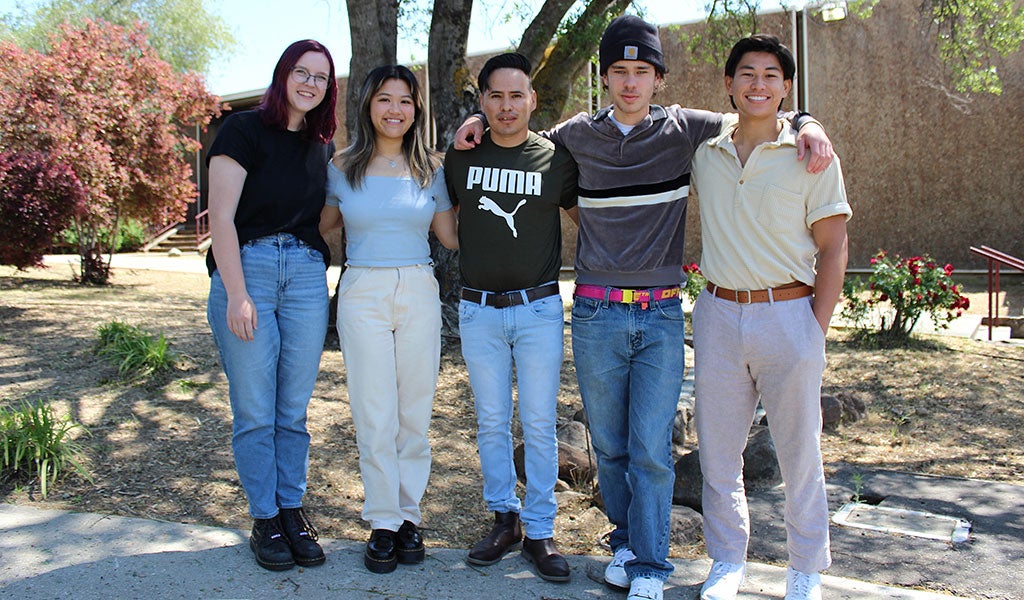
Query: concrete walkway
column 57, row 554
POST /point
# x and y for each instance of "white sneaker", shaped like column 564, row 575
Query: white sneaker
column 645, row 588
column 615, row 572
column 802, row 586
column 723, row 582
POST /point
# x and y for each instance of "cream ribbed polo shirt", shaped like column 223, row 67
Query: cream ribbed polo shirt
column 756, row 219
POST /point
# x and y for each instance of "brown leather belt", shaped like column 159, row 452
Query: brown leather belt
column 779, row 294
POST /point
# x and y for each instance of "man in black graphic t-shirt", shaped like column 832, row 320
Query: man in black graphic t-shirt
column 509, row 190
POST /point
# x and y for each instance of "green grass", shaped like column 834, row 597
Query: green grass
column 136, row 352
column 34, row 443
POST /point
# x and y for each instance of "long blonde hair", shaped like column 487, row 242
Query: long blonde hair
column 354, row 160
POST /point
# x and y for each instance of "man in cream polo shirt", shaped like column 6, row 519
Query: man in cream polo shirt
column 774, row 254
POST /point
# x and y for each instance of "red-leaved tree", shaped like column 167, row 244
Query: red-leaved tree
column 38, row 198
column 102, row 102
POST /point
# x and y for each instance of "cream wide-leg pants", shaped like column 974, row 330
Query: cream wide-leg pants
column 774, row 351
column 389, row 322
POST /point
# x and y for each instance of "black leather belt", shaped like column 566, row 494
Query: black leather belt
column 507, row 299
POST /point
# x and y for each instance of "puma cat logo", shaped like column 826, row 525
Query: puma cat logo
column 491, row 206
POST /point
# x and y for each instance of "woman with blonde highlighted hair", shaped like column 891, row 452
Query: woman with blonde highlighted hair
column 388, row 191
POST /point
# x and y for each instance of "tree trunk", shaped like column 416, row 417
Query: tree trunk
column 554, row 79
column 452, row 99
column 542, row 30
column 373, row 29
column 452, row 87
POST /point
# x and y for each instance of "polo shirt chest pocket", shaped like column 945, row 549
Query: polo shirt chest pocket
column 781, row 211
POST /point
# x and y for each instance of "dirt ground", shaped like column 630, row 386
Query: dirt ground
column 160, row 448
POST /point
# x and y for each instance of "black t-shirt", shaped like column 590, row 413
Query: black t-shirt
column 285, row 182
column 510, row 234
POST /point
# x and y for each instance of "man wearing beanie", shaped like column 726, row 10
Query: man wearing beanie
column 634, row 162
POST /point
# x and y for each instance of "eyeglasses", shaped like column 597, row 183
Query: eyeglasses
column 300, row 75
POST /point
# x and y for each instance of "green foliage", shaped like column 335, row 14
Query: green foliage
column 130, row 237
column 184, row 33
column 695, row 281
column 136, row 352
column 972, row 35
column 898, row 293
column 36, row 444
column 728, row 21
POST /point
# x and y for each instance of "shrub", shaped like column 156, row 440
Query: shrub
column 136, row 352
column 901, row 291
column 36, row 444
column 38, row 198
column 695, row 281
column 131, row 235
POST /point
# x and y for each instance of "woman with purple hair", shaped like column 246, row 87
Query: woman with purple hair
column 268, row 292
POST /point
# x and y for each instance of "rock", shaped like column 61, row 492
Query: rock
column 854, row 406
column 687, row 526
column 687, row 490
column 760, row 462
column 574, row 433
column 684, row 415
column 574, row 464
column 831, row 412
column 581, row 416
column 174, row 252
column 760, row 469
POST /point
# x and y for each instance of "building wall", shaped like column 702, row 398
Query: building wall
column 927, row 170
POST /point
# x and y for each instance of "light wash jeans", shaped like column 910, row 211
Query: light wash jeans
column 271, row 378
column 629, row 363
column 776, row 352
column 389, row 322
column 529, row 338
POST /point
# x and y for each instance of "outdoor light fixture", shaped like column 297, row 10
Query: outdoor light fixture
column 833, row 11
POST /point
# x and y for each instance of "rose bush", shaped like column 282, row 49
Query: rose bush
column 695, row 281
column 899, row 292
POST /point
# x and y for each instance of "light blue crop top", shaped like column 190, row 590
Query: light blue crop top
column 387, row 220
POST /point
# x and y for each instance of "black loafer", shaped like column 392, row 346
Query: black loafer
column 550, row 564
column 409, row 543
column 381, row 555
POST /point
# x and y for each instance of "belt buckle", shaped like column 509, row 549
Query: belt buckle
column 750, row 297
column 627, row 296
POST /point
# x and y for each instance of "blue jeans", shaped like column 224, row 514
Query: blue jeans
column 530, row 338
column 271, row 378
column 629, row 363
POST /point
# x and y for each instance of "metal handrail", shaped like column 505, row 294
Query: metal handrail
column 202, row 226
column 995, row 259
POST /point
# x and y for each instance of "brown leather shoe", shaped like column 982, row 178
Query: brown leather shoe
column 504, row 536
column 551, row 565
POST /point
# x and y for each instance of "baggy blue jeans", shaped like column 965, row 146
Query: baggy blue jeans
column 271, row 378
column 529, row 338
column 629, row 363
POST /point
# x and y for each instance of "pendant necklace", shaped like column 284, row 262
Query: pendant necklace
column 391, row 161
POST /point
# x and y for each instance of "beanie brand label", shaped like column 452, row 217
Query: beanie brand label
column 630, row 53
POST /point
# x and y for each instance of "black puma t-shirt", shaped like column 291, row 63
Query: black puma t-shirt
column 510, row 234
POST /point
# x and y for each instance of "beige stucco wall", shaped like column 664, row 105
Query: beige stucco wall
column 927, row 170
